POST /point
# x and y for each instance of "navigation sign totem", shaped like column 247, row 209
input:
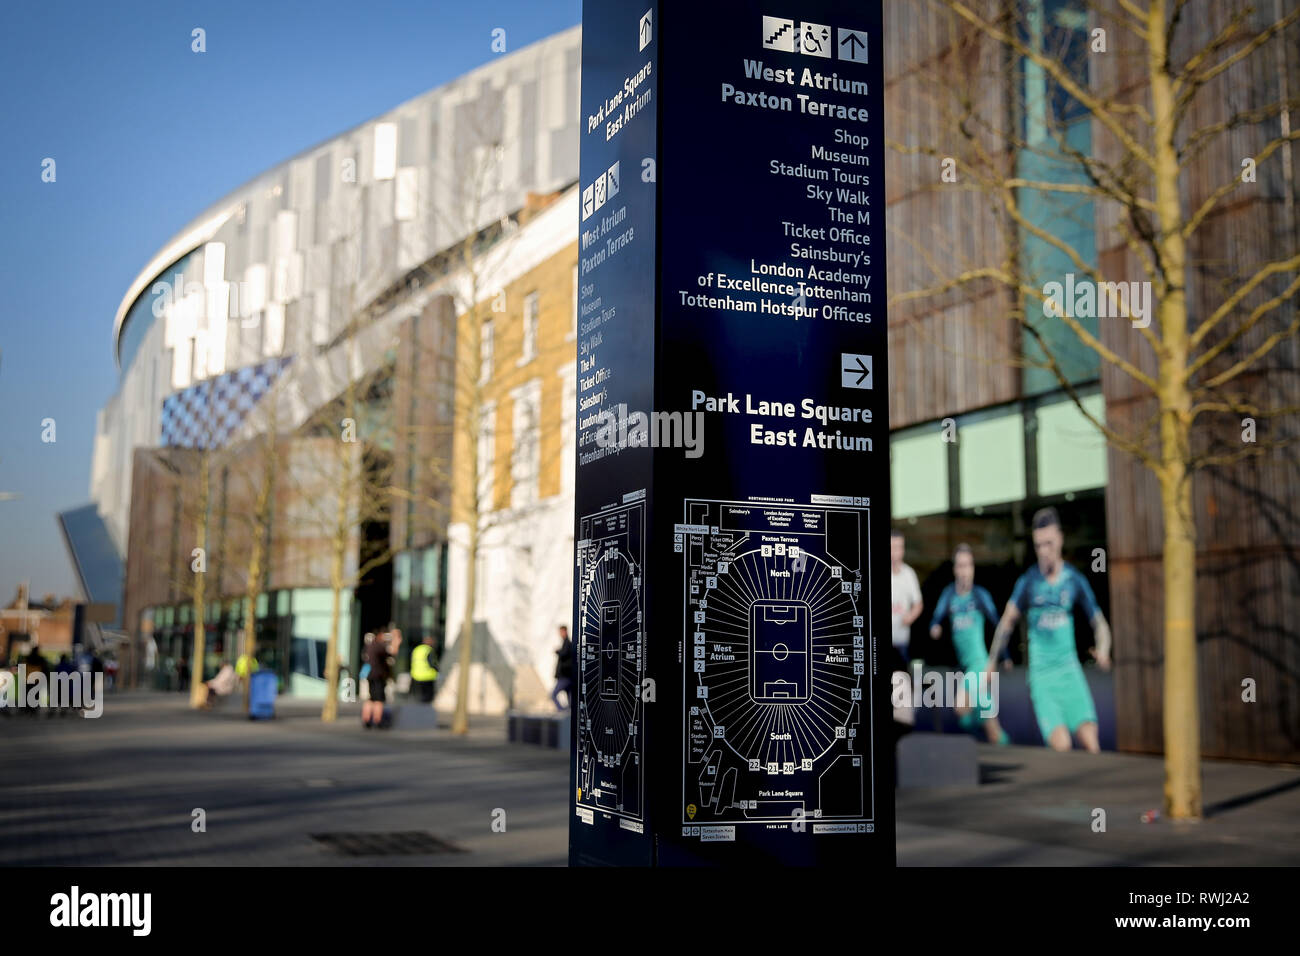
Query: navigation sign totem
column 731, row 605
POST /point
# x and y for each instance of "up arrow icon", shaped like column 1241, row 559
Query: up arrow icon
column 853, row 45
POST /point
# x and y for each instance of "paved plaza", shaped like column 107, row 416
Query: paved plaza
column 123, row 790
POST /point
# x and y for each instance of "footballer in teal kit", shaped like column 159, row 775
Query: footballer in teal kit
column 966, row 605
column 1046, row 595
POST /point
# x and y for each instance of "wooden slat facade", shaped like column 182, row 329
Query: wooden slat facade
column 957, row 352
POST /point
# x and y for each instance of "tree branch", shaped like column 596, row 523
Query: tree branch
column 1230, row 303
column 1194, row 221
column 1058, row 73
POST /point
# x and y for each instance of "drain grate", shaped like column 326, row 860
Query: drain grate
column 401, row 843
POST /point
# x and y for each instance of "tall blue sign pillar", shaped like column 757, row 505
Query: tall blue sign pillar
column 731, row 606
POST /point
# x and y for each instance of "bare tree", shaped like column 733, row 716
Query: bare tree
column 1159, row 104
column 350, row 487
column 202, row 514
column 474, row 187
column 344, row 488
column 484, row 364
column 253, row 466
column 170, row 545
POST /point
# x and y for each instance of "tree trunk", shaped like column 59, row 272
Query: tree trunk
column 253, row 582
column 460, row 720
column 1181, row 711
column 252, row 589
column 330, row 710
column 198, row 697
column 460, row 723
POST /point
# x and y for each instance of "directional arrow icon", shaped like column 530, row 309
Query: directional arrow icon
column 855, row 370
column 853, row 45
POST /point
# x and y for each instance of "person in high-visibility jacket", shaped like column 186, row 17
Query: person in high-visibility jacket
column 246, row 664
column 423, row 672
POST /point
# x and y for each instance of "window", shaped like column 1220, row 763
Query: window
column 526, row 444
column 486, row 454
column 486, row 345
column 918, row 459
column 532, row 311
column 1054, row 125
column 1017, row 452
column 991, row 453
column 430, row 585
column 402, row 575
column 1071, row 451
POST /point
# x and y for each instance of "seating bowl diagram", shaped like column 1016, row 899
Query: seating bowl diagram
column 610, row 661
column 776, row 680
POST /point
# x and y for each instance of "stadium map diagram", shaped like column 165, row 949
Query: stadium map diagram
column 611, row 662
column 776, row 674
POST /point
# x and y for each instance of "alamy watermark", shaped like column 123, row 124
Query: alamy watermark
column 977, row 690
column 58, row 691
column 133, row 911
column 1086, row 299
column 617, row 429
column 242, row 299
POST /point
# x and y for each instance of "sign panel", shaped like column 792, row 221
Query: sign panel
column 732, row 494
column 616, row 325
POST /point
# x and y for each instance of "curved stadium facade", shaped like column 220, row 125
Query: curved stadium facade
column 321, row 271
column 253, row 280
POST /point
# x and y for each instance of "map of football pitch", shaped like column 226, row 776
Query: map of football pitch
column 610, row 661
column 776, row 664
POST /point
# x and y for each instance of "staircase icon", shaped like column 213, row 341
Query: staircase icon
column 778, row 34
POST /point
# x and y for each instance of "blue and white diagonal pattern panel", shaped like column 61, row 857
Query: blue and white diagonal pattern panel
column 206, row 415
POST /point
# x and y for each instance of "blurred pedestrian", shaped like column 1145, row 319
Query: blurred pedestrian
column 67, row 668
column 381, row 664
column 364, row 675
column 424, row 675
column 36, row 667
column 222, row 685
column 245, row 665
column 563, row 671
column 905, row 599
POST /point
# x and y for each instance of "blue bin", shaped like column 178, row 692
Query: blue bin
column 261, row 695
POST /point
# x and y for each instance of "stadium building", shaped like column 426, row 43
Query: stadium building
column 332, row 283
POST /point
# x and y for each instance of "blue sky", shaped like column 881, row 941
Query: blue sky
column 146, row 134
